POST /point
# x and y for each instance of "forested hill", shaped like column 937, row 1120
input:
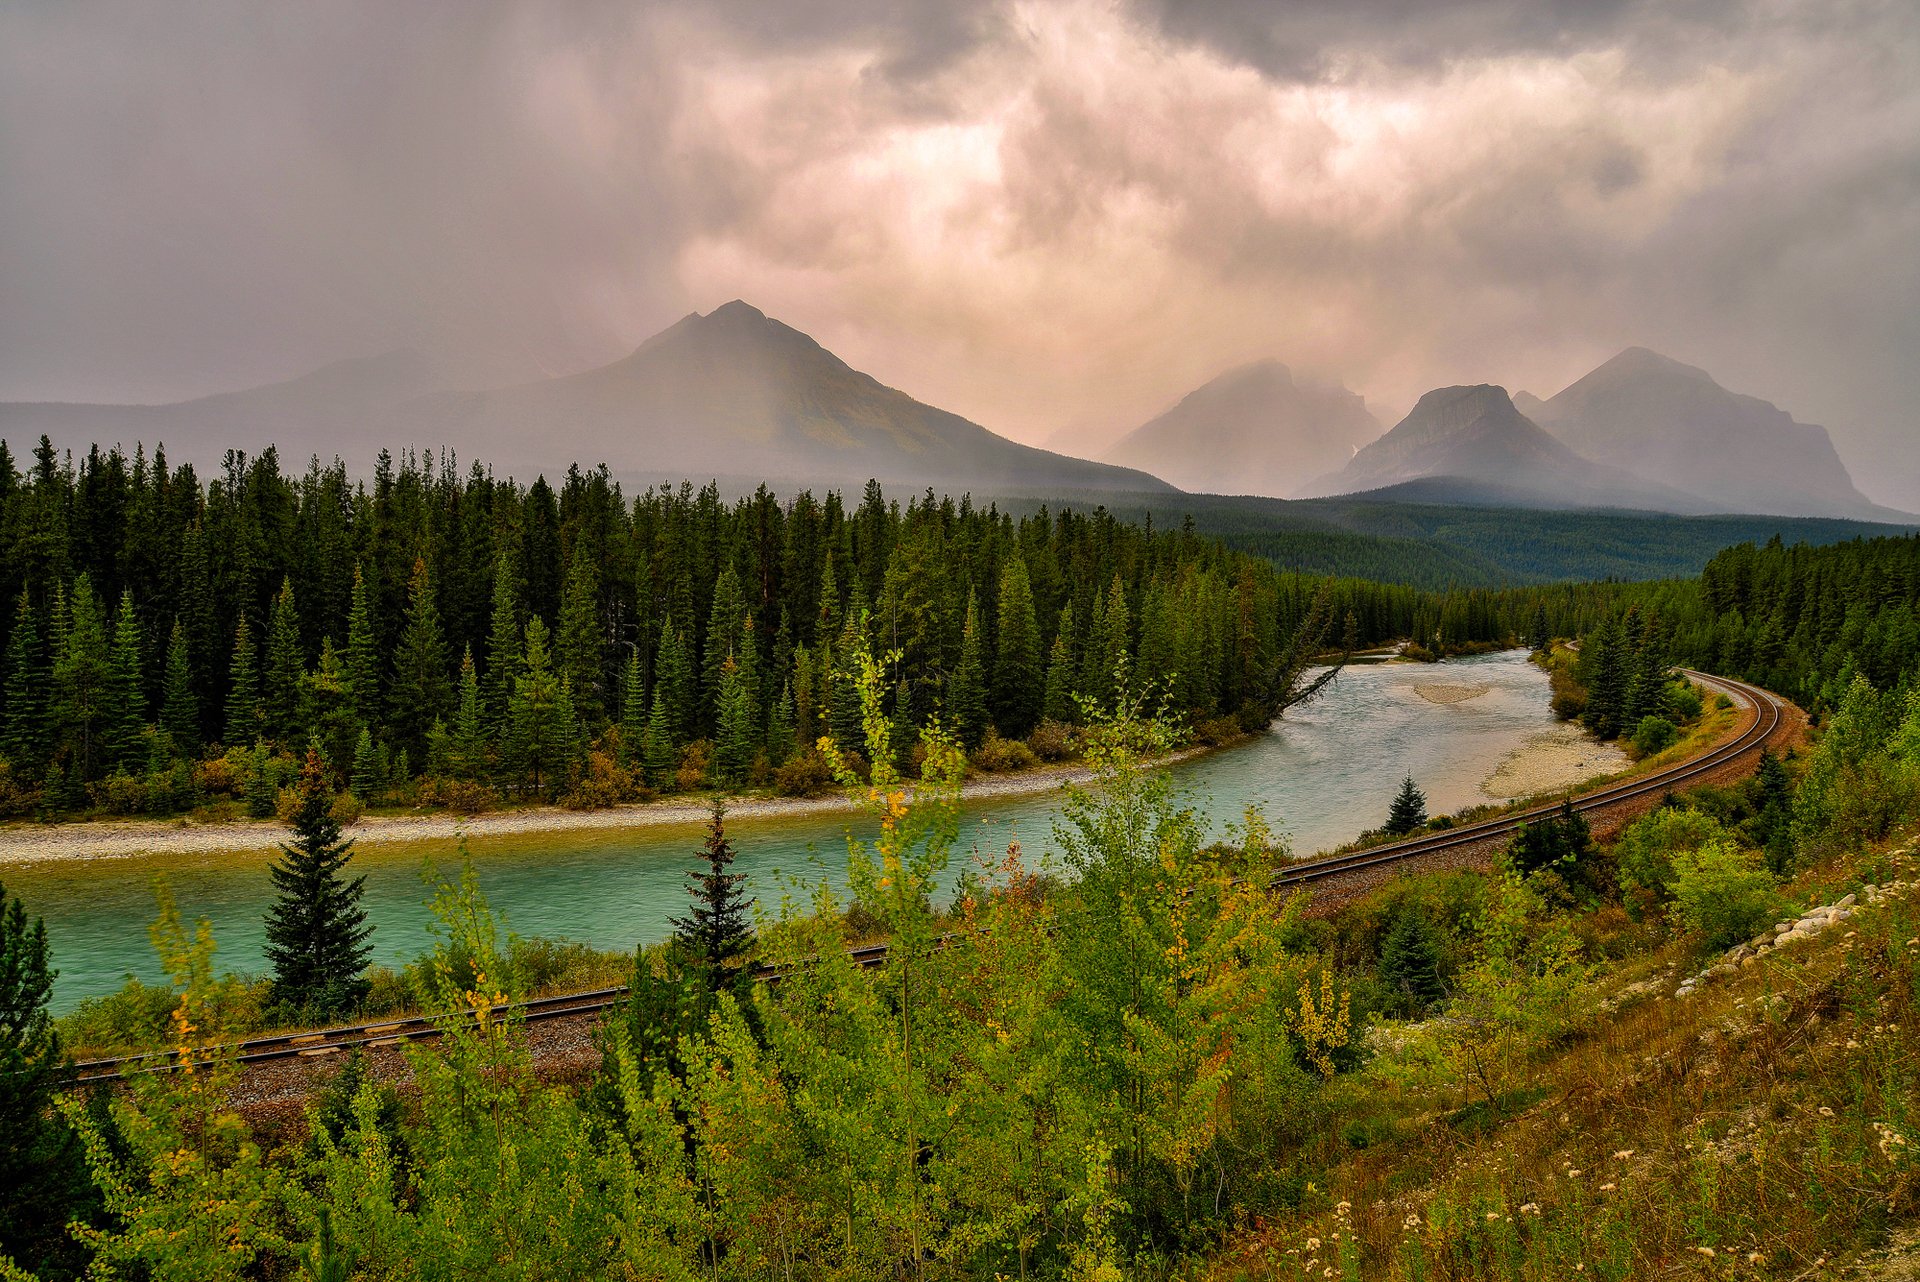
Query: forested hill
column 1436, row 544
column 571, row 640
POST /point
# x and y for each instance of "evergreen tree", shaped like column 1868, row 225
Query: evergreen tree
column 179, row 707
column 40, row 1164
column 26, row 729
column 1019, row 670
column 369, row 775
column 1539, row 636
column 1410, row 961
column 196, row 615
column 1773, row 826
column 324, row 709
column 780, row 728
column 263, row 790
column 844, row 722
column 420, row 692
column 1562, row 841
column 1409, row 809
column 316, row 931
column 82, row 679
column 126, row 703
column 967, row 687
column 736, row 738
column 243, row 688
column 1057, row 702
column 284, row 671
column 541, row 737
column 468, row 747
column 726, row 622
column 363, row 654
column 673, row 681
column 656, row 749
column 580, row 649
column 503, row 648
column 717, row 931
column 633, row 709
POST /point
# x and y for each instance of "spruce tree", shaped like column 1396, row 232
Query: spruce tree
column 81, row 679
column 540, row 738
column 736, row 737
column 580, row 647
column 1773, row 826
column 421, row 691
column 656, row 749
column 844, row 716
column 1409, row 809
column 196, row 615
column 1410, row 961
column 468, row 755
column 363, row 654
column 1019, row 670
column 967, row 687
column 726, row 622
column 317, row 932
column 41, row 1167
column 1538, row 638
column 1057, row 702
column 243, row 688
column 368, row 773
column 717, row 931
column 780, row 727
column 26, row 729
column 673, row 680
column 283, row 671
column 126, row 702
column 179, row 707
column 633, row 709
column 324, row 709
column 263, row 791
column 503, row 647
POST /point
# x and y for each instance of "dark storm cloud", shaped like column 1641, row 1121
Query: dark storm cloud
column 1044, row 213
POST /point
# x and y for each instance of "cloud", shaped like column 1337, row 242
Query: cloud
column 1053, row 216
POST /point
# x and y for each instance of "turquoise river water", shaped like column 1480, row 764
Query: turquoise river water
column 1321, row 776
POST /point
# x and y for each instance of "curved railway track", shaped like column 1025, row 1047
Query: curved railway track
column 1766, row 720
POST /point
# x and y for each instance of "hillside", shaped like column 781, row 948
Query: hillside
column 731, row 394
column 1672, row 422
column 1474, row 437
column 1252, row 430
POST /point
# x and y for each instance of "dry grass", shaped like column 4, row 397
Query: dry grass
column 1764, row 1128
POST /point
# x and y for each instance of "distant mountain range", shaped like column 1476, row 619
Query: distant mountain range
column 1258, row 431
column 732, row 394
column 738, row 396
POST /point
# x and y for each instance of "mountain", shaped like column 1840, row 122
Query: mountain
column 733, row 394
column 1465, row 444
column 1674, row 423
column 1252, row 430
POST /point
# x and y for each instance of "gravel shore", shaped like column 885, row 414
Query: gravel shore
column 1561, row 757
column 106, row 839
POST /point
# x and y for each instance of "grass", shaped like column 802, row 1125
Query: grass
column 1765, row 1127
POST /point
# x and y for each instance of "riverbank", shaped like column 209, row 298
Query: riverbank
column 1558, row 759
column 109, row 838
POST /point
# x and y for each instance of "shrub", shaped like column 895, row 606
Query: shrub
column 1724, row 893
column 1644, row 854
column 806, row 775
column 1051, row 740
column 998, row 755
column 1654, row 735
column 1217, row 730
column 1569, row 700
column 346, row 809
column 1683, row 702
column 139, row 1017
column 696, row 763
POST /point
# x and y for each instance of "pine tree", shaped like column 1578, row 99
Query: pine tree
column 673, row 681
column 503, row 648
column 324, row 709
column 735, row 738
column 283, row 672
column 1409, row 809
column 196, row 616
column 1538, row 637
column 317, row 932
column 1019, row 672
column 1057, row 703
column 633, row 709
column 656, row 749
column 25, row 741
column 40, row 1163
column 368, row 774
column 967, row 687
column 126, row 696
column 844, row 717
column 243, row 688
column 420, row 692
column 725, row 624
column 363, row 654
column 468, row 748
column 780, row 727
column 1410, row 961
column 81, row 678
column 717, row 931
column 263, row 790
column 179, row 708
column 1773, row 826
column 541, row 737
column 580, row 648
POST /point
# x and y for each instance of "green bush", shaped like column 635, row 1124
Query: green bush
column 806, row 775
column 1051, row 740
column 1654, row 735
column 1683, row 702
column 139, row 1017
column 998, row 755
column 1724, row 893
column 1644, row 855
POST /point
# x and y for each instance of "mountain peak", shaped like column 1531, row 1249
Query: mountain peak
column 1644, row 362
column 736, row 311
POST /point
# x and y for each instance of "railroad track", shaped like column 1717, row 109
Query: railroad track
column 320, row 1043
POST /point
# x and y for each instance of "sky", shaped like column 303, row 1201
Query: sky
column 1053, row 216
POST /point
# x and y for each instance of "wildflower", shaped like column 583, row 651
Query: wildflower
column 1755, row 1257
column 1493, row 1215
column 1574, row 1174
column 1624, row 1154
column 1707, row 1251
column 1608, row 1187
column 1313, row 1244
column 1825, row 1111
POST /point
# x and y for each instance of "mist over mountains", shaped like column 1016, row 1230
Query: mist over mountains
column 738, row 396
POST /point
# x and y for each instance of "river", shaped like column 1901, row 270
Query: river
column 1321, row 776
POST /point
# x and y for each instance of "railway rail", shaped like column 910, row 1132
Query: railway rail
column 1766, row 720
